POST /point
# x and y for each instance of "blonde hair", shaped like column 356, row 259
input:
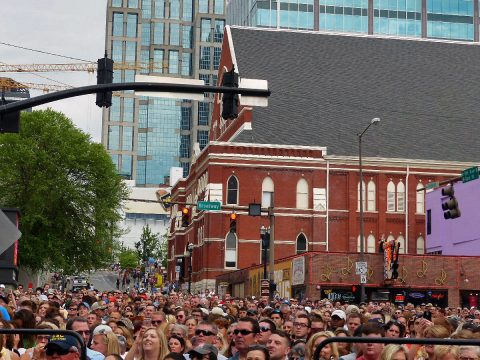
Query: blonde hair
column 113, row 347
column 391, row 349
column 162, row 341
column 437, row 332
column 310, row 347
column 442, row 350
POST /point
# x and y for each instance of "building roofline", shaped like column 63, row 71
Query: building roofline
column 358, row 35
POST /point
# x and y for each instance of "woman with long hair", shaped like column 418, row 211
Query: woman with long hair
column 154, row 345
column 125, row 332
column 343, row 348
column 5, row 353
column 328, row 352
column 105, row 342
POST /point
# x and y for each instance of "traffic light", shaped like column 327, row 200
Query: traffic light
column 450, row 205
column 230, row 101
column 233, row 223
column 9, row 122
column 185, row 217
column 104, row 76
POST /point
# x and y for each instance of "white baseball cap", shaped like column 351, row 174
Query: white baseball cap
column 340, row 314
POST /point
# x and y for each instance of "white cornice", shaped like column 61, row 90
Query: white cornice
column 269, row 146
column 401, row 162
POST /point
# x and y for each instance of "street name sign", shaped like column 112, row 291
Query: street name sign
column 470, row 174
column 432, row 185
column 209, row 205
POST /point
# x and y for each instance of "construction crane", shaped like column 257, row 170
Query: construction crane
column 7, row 83
column 89, row 67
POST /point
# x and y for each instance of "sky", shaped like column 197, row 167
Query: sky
column 74, row 28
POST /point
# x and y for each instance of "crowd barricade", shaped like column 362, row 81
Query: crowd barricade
column 83, row 348
column 400, row 341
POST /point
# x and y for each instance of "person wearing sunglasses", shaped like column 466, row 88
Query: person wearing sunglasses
column 80, row 326
column 266, row 328
column 206, row 333
column 62, row 347
column 246, row 334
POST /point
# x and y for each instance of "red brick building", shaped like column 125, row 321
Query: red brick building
column 268, row 156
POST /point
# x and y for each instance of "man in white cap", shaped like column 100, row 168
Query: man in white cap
column 338, row 320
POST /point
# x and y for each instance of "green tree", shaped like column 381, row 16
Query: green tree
column 149, row 244
column 128, row 259
column 68, row 192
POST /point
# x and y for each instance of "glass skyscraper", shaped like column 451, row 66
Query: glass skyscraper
column 146, row 136
column 442, row 19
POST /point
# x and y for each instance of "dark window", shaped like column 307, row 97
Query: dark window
column 301, row 244
column 232, row 190
column 429, row 222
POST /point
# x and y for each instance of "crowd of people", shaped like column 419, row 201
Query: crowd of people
column 144, row 325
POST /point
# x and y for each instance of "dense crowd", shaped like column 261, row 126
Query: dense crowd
column 144, row 325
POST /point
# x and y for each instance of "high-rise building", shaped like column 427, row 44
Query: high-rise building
column 445, row 19
column 146, row 136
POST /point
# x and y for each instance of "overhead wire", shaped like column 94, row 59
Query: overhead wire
column 43, row 52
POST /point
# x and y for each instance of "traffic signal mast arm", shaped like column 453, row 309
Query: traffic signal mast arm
column 136, row 86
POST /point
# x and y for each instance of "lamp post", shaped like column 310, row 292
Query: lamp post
column 190, row 251
column 265, row 236
column 362, row 245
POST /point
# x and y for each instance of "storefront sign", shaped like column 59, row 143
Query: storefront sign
column 416, row 295
column 339, row 295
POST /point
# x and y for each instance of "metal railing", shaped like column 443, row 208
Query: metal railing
column 83, row 347
column 401, row 341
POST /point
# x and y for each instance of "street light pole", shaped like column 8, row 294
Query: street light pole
column 362, row 244
column 265, row 236
column 190, row 251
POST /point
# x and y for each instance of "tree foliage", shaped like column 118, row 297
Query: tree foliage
column 68, row 192
column 149, row 244
column 128, row 258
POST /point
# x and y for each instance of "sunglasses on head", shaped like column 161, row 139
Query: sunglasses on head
column 204, row 332
column 244, row 332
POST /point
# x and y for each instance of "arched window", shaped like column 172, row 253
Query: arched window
column 302, row 194
column 400, row 196
column 391, row 197
column 420, row 199
column 363, row 195
column 420, row 245
column 267, row 192
column 232, row 190
column 301, row 243
column 371, row 246
column 403, row 249
column 371, row 196
column 231, row 250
